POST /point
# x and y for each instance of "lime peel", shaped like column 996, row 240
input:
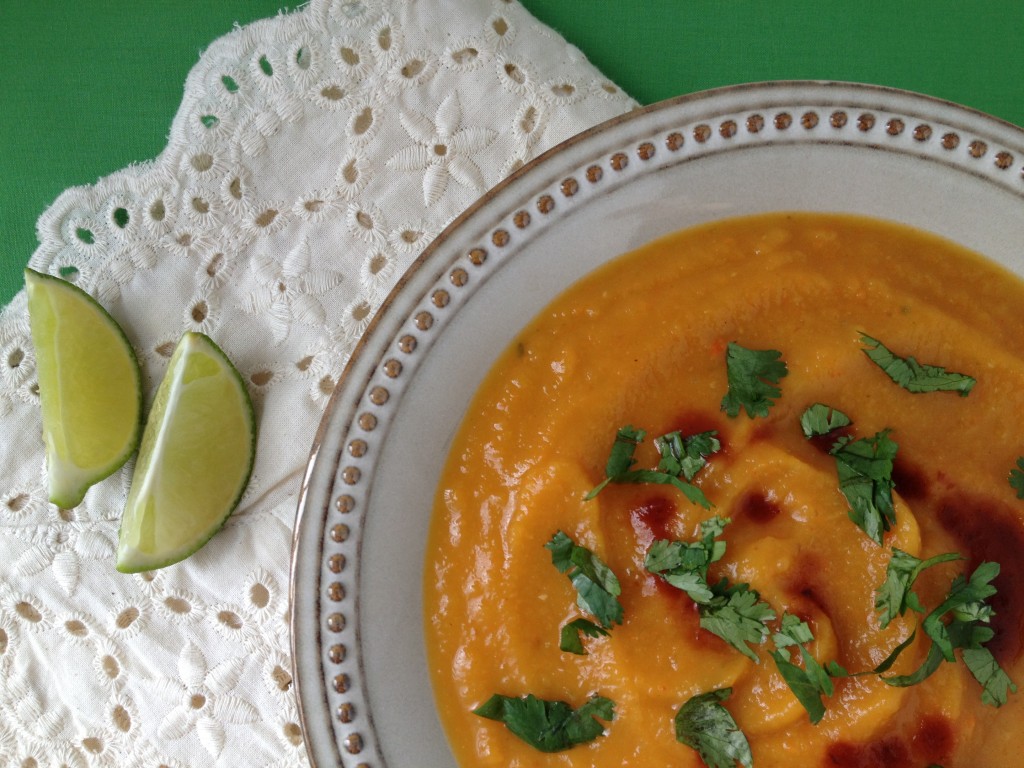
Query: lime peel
column 194, row 462
column 90, row 387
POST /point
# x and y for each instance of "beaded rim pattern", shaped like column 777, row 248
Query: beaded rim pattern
column 325, row 622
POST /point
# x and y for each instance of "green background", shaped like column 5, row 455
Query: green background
column 89, row 87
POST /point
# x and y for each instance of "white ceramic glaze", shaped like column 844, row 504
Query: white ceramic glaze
column 360, row 662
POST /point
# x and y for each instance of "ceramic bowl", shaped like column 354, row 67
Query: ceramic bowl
column 357, row 624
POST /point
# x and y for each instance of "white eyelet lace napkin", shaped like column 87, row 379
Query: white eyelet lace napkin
column 313, row 156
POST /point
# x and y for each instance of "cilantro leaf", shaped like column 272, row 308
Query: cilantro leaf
column 814, row 681
column 620, row 458
column 966, row 602
column 686, row 456
column 835, row 670
column 684, row 565
column 693, row 584
column 808, row 684
column 931, row 663
column 570, row 640
column 692, row 492
column 811, row 682
column 692, row 456
column 737, row 614
column 792, row 631
column 995, row 683
column 913, row 376
column 561, row 548
column 703, row 724
column 864, row 468
column 550, row 726
column 889, row 660
column 596, row 586
column 895, row 595
column 1017, row 478
column 598, row 600
column 959, row 622
column 819, row 419
column 752, row 375
column 710, row 530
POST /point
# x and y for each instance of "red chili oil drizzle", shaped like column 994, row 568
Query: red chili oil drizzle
column 910, row 480
column 932, row 742
column 935, row 739
column 757, row 507
column 889, row 752
column 651, row 520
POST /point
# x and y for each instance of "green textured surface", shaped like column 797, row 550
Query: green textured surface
column 92, row 86
column 968, row 52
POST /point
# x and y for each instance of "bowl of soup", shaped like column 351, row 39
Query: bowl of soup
column 695, row 442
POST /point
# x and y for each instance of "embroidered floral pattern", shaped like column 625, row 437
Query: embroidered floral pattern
column 61, row 550
column 313, row 157
column 289, row 291
column 205, row 702
column 443, row 149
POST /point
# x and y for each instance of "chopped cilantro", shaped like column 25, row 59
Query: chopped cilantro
column 931, row 663
column 684, row 565
column 596, row 586
column 686, row 456
column 620, row 458
column 550, row 726
column 1017, row 478
column 792, row 631
column 864, row 468
column 995, row 683
column 692, row 456
column 814, row 681
column 571, row 640
column 889, row 660
column 965, row 603
column 810, row 682
column 692, row 492
column 693, row 584
column 735, row 613
column 835, row 670
column 752, row 376
column 960, row 622
column 704, row 724
column 819, row 420
column 913, row 376
column 896, row 594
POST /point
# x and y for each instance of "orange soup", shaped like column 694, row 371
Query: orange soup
column 798, row 611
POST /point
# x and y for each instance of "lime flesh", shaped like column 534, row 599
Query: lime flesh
column 89, row 387
column 194, row 461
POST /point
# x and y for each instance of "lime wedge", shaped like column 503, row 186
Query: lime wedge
column 194, row 462
column 89, row 387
